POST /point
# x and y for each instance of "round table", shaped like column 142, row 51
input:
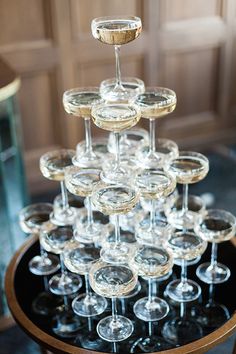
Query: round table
column 22, row 287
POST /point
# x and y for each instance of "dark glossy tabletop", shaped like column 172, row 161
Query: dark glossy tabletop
column 22, row 288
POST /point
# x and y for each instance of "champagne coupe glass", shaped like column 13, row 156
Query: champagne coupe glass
column 216, row 226
column 115, row 199
column 52, row 165
column 81, row 182
column 112, row 281
column 152, row 263
column 153, row 184
column 79, row 259
column 185, row 246
column 78, row 102
column 196, row 208
column 116, row 31
column 155, row 103
column 116, row 118
column 31, row 219
column 190, row 167
column 181, row 329
column 54, row 239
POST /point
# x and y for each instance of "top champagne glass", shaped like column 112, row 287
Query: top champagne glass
column 116, row 31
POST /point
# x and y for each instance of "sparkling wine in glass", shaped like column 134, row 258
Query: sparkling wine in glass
column 116, row 118
column 215, row 227
column 152, row 263
column 52, row 165
column 78, row 102
column 153, row 184
column 112, row 281
column 79, row 259
column 186, row 246
column 116, row 31
column 190, row 167
column 115, row 199
column 155, row 103
column 81, row 182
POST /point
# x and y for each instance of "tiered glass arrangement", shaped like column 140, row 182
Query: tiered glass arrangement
column 125, row 178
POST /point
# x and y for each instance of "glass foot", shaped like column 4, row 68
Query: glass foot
column 148, row 159
column 66, row 324
column 149, row 345
column 44, row 265
column 213, row 275
column 180, row 331
column 45, row 304
column 153, row 236
column 115, row 330
column 87, row 160
column 131, row 88
column 118, row 175
column 188, row 291
column 89, row 305
column 181, row 220
column 116, row 253
column 190, row 262
column 153, row 310
column 89, row 234
column 63, row 217
column 65, row 284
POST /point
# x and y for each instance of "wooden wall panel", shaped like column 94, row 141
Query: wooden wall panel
column 187, row 10
column 38, row 115
column 186, row 45
column 196, row 89
column 91, row 74
column 22, row 21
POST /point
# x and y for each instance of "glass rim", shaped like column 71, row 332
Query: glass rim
column 115, row 17
column 55, row 152
column 27, row 208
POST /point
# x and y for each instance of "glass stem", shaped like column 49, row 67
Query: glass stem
column 114, row 309
column 183, row 272
column 214, row 248
column 89, row 212
column 118, row 74
column 117, row 156
column 66, row 302
column 87, row 285
column 152, row 214
column 64, row 196
column 88, row 138
column 211, row 293
column 150, row 331
column 150, row 294
column 182, row 309
column 45, row 283
column 185, row 198
column 152, row 137
column 63, row 269
column 43, row 253
column 117, row 229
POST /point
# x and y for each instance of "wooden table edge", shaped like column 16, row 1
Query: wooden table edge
column 58, row 346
